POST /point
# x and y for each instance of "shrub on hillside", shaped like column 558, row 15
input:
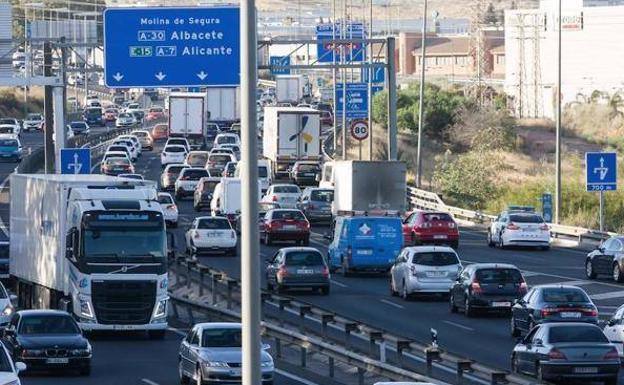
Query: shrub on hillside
column 483, row 130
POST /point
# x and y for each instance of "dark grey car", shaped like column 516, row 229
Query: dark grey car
column 316, row 204
column 567, row 351
column 607, row 259
column 298, row 268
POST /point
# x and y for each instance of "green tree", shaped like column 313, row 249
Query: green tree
column 380, row 108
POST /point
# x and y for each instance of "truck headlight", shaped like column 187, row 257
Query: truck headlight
column 85, row 307
column 161, row 309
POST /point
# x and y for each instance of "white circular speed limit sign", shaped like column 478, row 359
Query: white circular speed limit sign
column 359, row 130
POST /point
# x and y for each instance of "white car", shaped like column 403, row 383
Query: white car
column 211, row 234
column 145, row 138
column 179, row 142
column 614, row 330
column 8, row 369
column 121, row 148
column 285, row 195
column 32, row 122
column 6, row 306
column 197, row 158
column 187, row 181
column 125, row 120
column 134, row 139
column 424, row 269
column 173, row 154
column 134, row 152
column 115, row 154
column 169, row 208
column 133, row 107
column 264, row 173
column 226, row 138
column 519, row 228
column 13, row 123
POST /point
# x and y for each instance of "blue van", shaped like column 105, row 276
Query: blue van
column 363, row 243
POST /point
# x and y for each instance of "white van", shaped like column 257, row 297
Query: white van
column 226, row 198
column 327, row 175
column 264, row 174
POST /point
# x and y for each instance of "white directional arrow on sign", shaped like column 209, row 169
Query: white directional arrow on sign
column 602, row 170
column 160, row 76
column 77, row 166
column 202, row 75
column 118, row 77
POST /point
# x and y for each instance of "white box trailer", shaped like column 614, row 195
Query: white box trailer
column 187, row 117
column 290, row 134
column 289, row 88
column 223, row 106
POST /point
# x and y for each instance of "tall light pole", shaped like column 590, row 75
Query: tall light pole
column 421, row 104
column 558, row 123
column 250, row 263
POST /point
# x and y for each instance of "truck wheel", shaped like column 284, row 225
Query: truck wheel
column 156, row 334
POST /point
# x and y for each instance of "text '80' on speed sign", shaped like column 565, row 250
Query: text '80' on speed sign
column 359, row 129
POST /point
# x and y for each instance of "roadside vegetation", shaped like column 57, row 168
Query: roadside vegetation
column 12, row 102
column 481, row 158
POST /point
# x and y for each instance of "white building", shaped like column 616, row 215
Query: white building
column 592, row 54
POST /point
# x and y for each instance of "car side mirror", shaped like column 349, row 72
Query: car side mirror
column 8, row 331
column 612, row 322
column 538, row 342
column 317, row 178
column 266, row 346
column 20, row 366
column 13, row 298
column 327, row 236
column 600, row 248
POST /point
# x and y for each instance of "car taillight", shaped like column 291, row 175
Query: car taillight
column 513, row 226
column 274, row 199
column 282, row 272
column 548, row 311
column 451, row 225
column 476, row 288
column 275, row 224
column 556, row 354
column 523, row 288
column 590, row 312
column 612, row 355
column 544, row 227
column 325, row 272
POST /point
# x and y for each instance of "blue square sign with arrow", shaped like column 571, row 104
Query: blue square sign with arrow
column 601, row 171
column 75, row 161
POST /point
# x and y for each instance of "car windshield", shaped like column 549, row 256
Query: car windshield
column 304, row 258
column 78, row 125
column 499, row 275
column 175, row 169
column 47, row 324
column 443, row 217
column 198, row 158
column 576, row 334
column 322, row 195
column 210, row 185
column 194, row 174
column 213, row 224
column 308, row 167
column 564, row 295
column 117, row 238
column 8, row 143
column 7, row 121
column 156, row 110
column 220, row 158
column 165, row 199
column 5, row 362
column 286, row 189
column 263, row 172
column 436, row 258
column 125, row 116
column 31, row 117
column 174, row 149
column 288, row 214
column 526, row 218
column 221, row 338
column 226, row 139
column 180, row 142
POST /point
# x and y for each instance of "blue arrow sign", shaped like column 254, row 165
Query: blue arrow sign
column 379, row 75
column 357, row 100
column 280, row 61
column 171, row 47
column 601, row 171
column 75, row 161
column 325, row 50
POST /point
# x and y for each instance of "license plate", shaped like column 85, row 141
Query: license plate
column 290, row 227
column 122, row 327
column 501, row 304
column 57, row 361
column 586, row 369
column 305, row 271
column 308, row 174
column 365, row 252
column 288, row 199
column 570, row 314
column 6, row 155
column 441, row 236
column 436, row 274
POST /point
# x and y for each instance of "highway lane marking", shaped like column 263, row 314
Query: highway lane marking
column 294, row 377
column 176, row 331
column 458, row 325
column 609, row 295
column 392, row 303
column 149, row 382
column 338, row 283
column 573, row 283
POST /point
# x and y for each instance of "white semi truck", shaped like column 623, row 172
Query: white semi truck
column 290, row 134
column 187, row 117
column 92, row 245
column 223, row 106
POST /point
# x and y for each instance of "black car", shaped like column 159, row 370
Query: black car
column 567, row 351
column 487, row 286
column 203, row 192
column 304, row 173
column 551, row 303
column 607, row 259
column 47, row 339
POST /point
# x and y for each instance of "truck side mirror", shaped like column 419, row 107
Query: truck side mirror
column 70, row 241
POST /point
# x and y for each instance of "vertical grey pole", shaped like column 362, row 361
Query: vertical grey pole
column 370, row 83
column 392, row 101
column 48, row 111
column 343, row 75
column 86, row 59
column 421, row 102
column 250, row 263
column 602, row 208
column 558, row 123
column 27, row 59
column 334, row 78
column 59, row 124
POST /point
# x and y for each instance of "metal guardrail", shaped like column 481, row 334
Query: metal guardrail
column 407, row 354
column 427, row 200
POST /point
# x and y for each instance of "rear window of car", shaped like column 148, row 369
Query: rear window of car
column 195, row 174
column 180, row 142
column 263, row 172
column 214, row 224
column 210, row 185
column 8, row 142
column 199, row 158
column 526, row 218
column 291, row 214
column 160, row 128
column 435, row 259
column 564, row 295
column 118, row 148
column 78, row 125
column 443, row 217
column 576, row 333
column 308, row 167
column 141, row 134
column 322, row 195
column 175, row 169
column 220, row 158
column 226, row 139
column 165, row 199
column 304, row 258
column 286, row 189
column 499, row 275
column 174, row 149
column 156, row 110
column 117, row 161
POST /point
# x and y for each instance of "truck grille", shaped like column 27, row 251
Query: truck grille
column 123, row 302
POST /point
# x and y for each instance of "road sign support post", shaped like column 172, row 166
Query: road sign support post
column 48, row 111
column 59, row 124
column 250, row 264
column 392, row 100
column 421, row 101
column 601, row 215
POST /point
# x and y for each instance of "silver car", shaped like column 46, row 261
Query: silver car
column 316, row 203
column 424, row 269
column 211, row 352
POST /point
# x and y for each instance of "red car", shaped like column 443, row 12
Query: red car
column 110, row 115
column 160, row 131
column 155, row 113
column 420, row 227
column 285, row 225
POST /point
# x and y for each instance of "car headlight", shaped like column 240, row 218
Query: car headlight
column 216, row 364
column 266, row 364
column 85, row 352
column 85, row 306
column 32, row 352
column 8, row 310
column 161, row 309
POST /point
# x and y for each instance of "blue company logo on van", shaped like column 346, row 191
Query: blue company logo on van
column 365, row 229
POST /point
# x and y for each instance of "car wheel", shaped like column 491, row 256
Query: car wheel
column 174, row 224
column 611, row 381
column 306, row 242
column 514, row 364
column 415, row 241
column 345, row 269
column 468, row 310
column 199, row 377
column 196, row 208
column 393, row 292
column 184, row 380
column 404, row 294
column 269, row 286
column 490, row 242
column 501, row 242
column 589, row 270
column 514, row 330
column 452, row 305
column 617, row 273
column 455, row 245
column 539, row 375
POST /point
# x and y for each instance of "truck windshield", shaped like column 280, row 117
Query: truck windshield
column 123, row 235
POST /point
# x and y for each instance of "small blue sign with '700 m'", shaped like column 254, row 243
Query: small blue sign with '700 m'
column 601, row 171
